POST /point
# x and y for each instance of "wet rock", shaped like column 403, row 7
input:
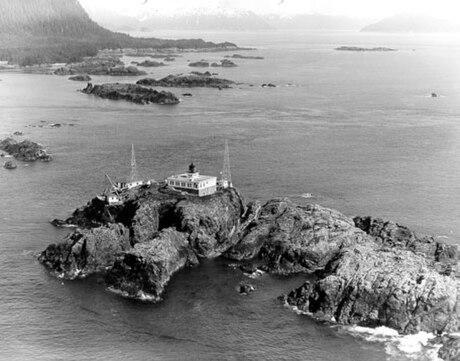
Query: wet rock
column 150, row 63
column 86, row 251
column 26, row 150
column 245, row 288
column 269, row 85
column 144, row 271
column 9, row 164
column 132, row 93
column 225, row 63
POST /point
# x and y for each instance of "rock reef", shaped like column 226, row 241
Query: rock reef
column 26, row 150
column 187, row 81
column 366, row 271
column 130, row 92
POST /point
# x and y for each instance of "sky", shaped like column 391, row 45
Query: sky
column 446, row 9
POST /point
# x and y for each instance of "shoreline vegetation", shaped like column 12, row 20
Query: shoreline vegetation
column 28, row 35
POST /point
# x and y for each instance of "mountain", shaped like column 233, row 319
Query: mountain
column 49, row 31
column 412, row 24
column 315, row 22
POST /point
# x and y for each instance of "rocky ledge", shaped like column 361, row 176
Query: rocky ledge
column 130, row 92
column 367, row 271
column 187, row 81
column 26, row 150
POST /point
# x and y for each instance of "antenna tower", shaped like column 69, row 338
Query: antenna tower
column 133, row 177
column 226, row 175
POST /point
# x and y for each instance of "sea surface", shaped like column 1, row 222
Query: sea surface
column 355, row 131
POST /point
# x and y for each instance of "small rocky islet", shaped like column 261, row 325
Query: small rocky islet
column 188, row 81
column 368, row 272
column 25, row 150
column 130, row 92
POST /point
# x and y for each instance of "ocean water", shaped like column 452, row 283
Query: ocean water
column 357, row 132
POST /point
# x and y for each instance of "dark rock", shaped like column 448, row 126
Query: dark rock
column 269, row 85
column 144, row 271
column 26, row 150
column 391, row 234
column 199, row 73
column 80, row 77
column 289, row 238
column 18, row 133
column 149, row 63
column 434, row 95
column 187, row 81
column 103, row 65
column 245, row 288
column 187, row 94
column 200, row 64
column 450, row 350
column 370, row 286
column 238, row 56
column 88, row 251
column 131, row 92
column 9, row 164
column 225, row 63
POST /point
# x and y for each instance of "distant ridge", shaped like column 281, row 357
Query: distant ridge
column 412, row 24
column 49, row 31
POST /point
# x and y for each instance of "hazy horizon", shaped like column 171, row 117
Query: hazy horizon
column 444, row 9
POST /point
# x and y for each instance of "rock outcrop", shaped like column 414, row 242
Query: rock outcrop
column 239, row 56
column 367, row 271
column 199, row 64
column 131, row 92
column 150, row 63
column 225, row 63
column 26, row 150
column 288, row 238
column 100, row 65
column 80, row 77
column 187, row 81
column 86, row 251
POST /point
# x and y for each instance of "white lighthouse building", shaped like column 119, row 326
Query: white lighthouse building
column 193, row 182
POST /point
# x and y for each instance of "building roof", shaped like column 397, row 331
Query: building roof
column 191, row 177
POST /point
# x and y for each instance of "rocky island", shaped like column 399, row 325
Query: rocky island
column 239, row 56
column 130, row 92
column 187, row 81
column 367, row 271
column 26, row 150
column 99, row 65
column 357, row 48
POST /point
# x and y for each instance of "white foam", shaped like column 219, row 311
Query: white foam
column 413, row 347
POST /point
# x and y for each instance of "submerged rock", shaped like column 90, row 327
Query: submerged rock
column 26, row 150
column 131, row 92
column 187, row 81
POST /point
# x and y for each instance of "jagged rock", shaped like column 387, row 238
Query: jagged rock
column 26, row 150
column 144, row 271
column 80, row 77
column 131, row 92
column 86, row 251
column 289, row 238
column 372, row 286
column 391, row 234
column 187, row 81
column 450, row 350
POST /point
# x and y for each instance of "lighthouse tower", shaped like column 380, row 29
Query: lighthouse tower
column 226, row 181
